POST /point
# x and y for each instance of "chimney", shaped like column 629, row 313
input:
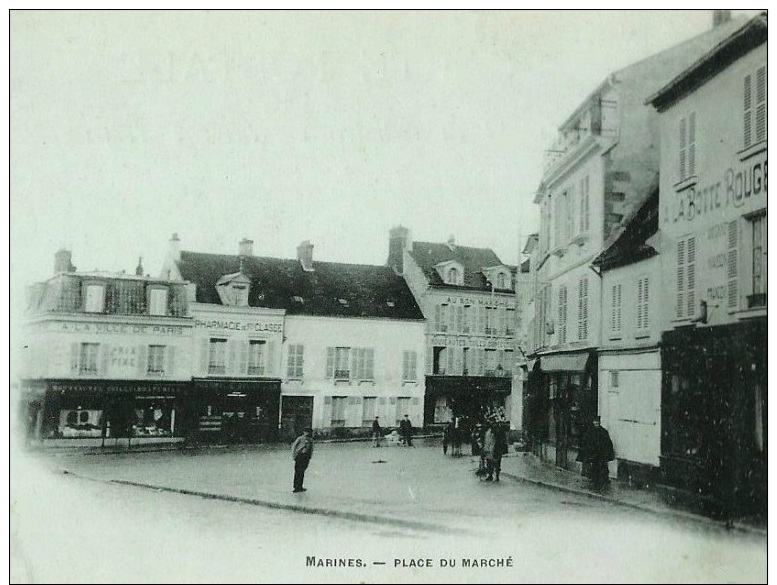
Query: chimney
column 139, row 268
column 399, row 241
column 246, row 247
column 451, row 242
column 305, row 255
column 63, row 261
column 175, row 248
column 720, row 17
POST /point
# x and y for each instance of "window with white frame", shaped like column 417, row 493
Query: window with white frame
column 685, row 307
column 490, row 321
column 156, row 360
column 465, row 319
column 585, row 213
column 295, row 361
column 87, row 362
column 687, row 150
column 368, row 410
column 754, row 119
column 157, row 301
column 453, row 275
column 409, row 366
column 364, row 359
column 342, row 368
column 256, row 356
column 757, row 297
column 615, row 303
column 582, row 309
column 95, row 298
column 339, row 404
column 217, row 356
column 562, row 314
column 643, row 304
column 500, row 280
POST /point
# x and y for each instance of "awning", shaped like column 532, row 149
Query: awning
column 564, row 363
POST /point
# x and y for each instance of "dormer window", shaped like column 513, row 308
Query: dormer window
column 233, row 289
column 453, row 276
column 500, row 280
column 238, row 295
column 343, row 302
column 94, row 301
column 157, row 301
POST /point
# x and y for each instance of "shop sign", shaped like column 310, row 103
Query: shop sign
column 231, row 325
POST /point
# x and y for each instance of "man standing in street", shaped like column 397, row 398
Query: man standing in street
column 301, row 452
column 595, row 452
column 377, row 434
column 406, row 430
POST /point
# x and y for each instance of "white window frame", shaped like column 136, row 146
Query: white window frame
column 94, row 298
column 88, row 359
column 155, row 365
column 409, row 366
column 157, row 300
column 296, row 361
column 217, row 356
column 257, row 357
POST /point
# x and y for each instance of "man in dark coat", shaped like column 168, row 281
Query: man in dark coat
column 595, row 452
column 406, row 431
column 377, row 433
column 301, row 452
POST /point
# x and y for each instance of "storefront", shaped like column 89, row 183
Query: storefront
column 714, row 414
column 81, row 412
column 561, row 401
column 236, row 411
column 470, row 397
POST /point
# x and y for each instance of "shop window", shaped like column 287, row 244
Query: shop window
column 95, row 298
column 256, row 357
column 153, row 418
column 217, row 357
column 757, row 296
column 156, row 360
column 409, row 366
column 80, row 422
column 339, row 404
column 87, row 362
column 296, row 361
column 760, row 420
column 442, row 411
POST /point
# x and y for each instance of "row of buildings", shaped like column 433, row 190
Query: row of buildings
column 644, row 301
column 249, row 348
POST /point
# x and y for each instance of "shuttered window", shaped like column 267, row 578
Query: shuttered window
column 296, row 361
column 754, row 107
column 687, row 149
column 156, row 360
column 615, row 317
column 643, row 304
column 409, row 366
column 759, row 258
column 584, row 205
column 562, row 314
column 582, row 309
column 732, row 265
column 686, row 278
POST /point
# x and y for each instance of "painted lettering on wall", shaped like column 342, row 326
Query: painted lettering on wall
column 735, row 189
column 124, row 356
column 256, row 326
column 482, row 301
column 121, row 328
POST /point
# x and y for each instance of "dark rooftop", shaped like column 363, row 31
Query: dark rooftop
column 428, row 255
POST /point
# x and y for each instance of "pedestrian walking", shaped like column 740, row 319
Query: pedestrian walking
column 301, row 452
column 377, row 433
column 494, row 447
column 595, row 452
column 406, row 430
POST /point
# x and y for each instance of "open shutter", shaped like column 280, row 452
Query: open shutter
column 732, row 271
column 326, row 414
column 692, row 144
column 243, row 367
column 639, row 303
column 690, row 276
column 170, row 358
column 232, row 350
column 429, row 360
column 370, row 363
column 354, row 372
column 748, row 109
column 683, row 137
column 204, row 351
column 646, row 301
column 457, row 357
column 105, row 356
column 75, row 349
column 680, row 279
column 270, row 369
column 330, row 362
column 142, row 360
column 760, row 104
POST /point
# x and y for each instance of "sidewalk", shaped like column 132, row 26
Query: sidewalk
column 527, row 467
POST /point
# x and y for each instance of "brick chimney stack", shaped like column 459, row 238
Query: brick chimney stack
column 246, row 247
column 174, row 249
column 305, row 255
column 720, row 17
column 63, row 261
column 399, row 241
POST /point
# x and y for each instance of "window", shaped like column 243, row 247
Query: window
column 569, row 212
column 582, row 309
column 510, row 322
column 465, row 318
column 490, row 321
column 453, row 276
column 758, row 228
column 491, row 362
column 465, row 361
column 755, row 108
column 238, row 294
column 217, row 356
column 459, row 318
column 368, row 411
column 615, row 302
column 256, row 357
column 562, row 314
column 95, row 298
column 338, row 410
column 507, row 362
column 687, row 161
column 441, row 317
column 643, row 304
column 342, row 369
column 87, row 363
column 614, row 378
column 156, row 360
column 409, row 366
column 403, row 408
column 584, row 205
column 440, row 360
column 500, row 281
column 157, row 301
column 686, row 278
column 364, row 359
column 296, row 361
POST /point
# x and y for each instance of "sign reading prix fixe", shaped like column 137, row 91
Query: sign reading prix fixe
column 248, row 325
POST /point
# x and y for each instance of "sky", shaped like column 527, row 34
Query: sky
column 128, row 126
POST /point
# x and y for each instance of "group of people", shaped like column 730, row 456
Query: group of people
column 405, row 432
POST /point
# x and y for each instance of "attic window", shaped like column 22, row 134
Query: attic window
column 500, row 280
column 343, row 302
column 238, row 295
column 391, row 303
column 453, row 276
column 298, row 299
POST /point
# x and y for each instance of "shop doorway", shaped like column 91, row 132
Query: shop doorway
column 296, row 415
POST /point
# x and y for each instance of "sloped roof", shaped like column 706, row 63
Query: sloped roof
column 742, row 41
column 630, row 245
column 332, row 289
column 427, row 255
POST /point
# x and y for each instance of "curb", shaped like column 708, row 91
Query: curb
column 329, row 512
column 649, row 509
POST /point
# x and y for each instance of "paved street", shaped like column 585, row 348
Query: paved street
column 375, row 505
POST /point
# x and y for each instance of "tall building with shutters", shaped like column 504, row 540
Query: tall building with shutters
column 713, row 245
column 467, row 296
column 285, row 344
column 603, row 167
column 106, row 358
